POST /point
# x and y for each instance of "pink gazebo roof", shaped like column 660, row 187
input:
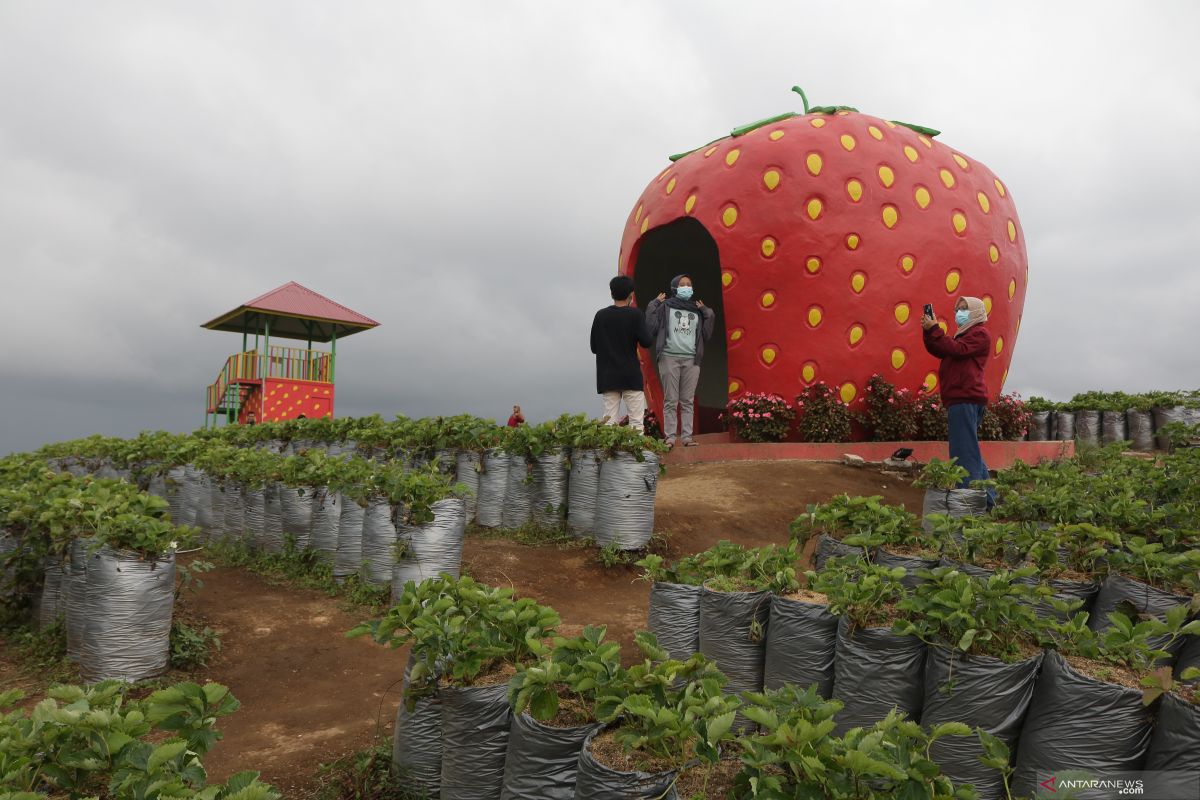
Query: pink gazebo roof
column 294, row 312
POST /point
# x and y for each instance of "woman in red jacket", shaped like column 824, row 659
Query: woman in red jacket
column 963, row 387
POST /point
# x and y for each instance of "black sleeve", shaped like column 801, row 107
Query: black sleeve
column 595, row 325
column 645, row 339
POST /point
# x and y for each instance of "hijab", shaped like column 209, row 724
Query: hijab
column 674, row 301
column 976, row 314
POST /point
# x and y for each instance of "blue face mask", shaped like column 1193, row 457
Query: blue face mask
column 683, row 292
column 962, row 316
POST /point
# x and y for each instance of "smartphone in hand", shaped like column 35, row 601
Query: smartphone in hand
column 929, row 310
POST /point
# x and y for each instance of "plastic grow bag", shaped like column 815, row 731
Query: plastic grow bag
column 1139, row 425
column 983, row 573
column 1117, row 589
column 445, row 460
column 518, row 494
column 1175, row 744
column 127, row 621
column 493, row 481
column 542, row 761
column 625, row 501
column 467, row 473
column 1112, row 427
column 379, row 541
column 256, row 512
column 216, row 501
column 431, row 548
column 954, row 503
column 173, row 483
column 270, row 538
column 1189, row 656
column 76, row 596
column 1165, row 416
column 1067, row 590
column 475, row 723
column 348, row 559
column 583, row 489
column 875, row 671
column 985, row 693
column 674, row 618
column 1087, row 427
column 53, row 603
column 829, row 547
column 235, row 512
column 886, row 558
column 733, row 630
column 1077, row 723
column 801, row 641
column 1039, row 426
column 1064, row 425
column 417, row 742
column 204, row 509
column 595, row 781
column 190, row 491
column 297, row 513
column 326, row 519
column 550, row 473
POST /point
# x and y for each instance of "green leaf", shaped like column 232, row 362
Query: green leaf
column 164, row 753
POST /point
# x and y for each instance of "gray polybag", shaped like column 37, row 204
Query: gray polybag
column 204, row 509
column 1189, row 656
column 1175, row 746
column 983, row 573
column 1039, row 426
column 467, row 473
column 550, row 472
column 1140, row 427
column 1067, row 590
column 156, row 485
column 625, row 501
column 297, row 513
column 801, row 641
column 956, row 503
column 349, row 556
column 875, row 671
column 1165, row 416
column 982, row 692
column 379, row 541
column 76, row 591
column 1112, row 427
column 53, row 604
column 445, row 460
column 733, row 627
column 1087, row 427
column 583, row 490
column 235, row 512
column 1078, row 723
column 417, row 742
column 1064, row 425
column 270, row 538
column 542, row 760
column 216, row 501
column 493, row 481
column 912, row 564
column 127, row 621
column 174, row 482
column 326, row 519
column 674, row 618
column 829, row 547
column 431, row 548
column 256, row 511
column 594, row 781
column 475, row 722
column 191, row 493
column 518, row 494
column 1117, row 589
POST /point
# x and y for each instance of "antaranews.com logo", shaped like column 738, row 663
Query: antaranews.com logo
column 1120, row 787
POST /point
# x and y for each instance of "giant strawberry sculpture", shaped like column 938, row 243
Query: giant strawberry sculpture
column 833, row 229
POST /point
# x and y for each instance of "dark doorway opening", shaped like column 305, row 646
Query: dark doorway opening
column 684, row 246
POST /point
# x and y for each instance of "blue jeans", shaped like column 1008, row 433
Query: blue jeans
column 964, row 444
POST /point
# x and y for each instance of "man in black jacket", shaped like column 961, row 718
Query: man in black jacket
column 617, row 330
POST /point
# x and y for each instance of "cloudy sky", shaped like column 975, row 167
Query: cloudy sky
column 461, row 172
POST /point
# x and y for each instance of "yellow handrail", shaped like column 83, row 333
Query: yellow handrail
column 288, row 363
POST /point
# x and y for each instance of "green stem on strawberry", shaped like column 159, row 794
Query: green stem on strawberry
column 803, row 97
column 744, row 129
column 918, row 128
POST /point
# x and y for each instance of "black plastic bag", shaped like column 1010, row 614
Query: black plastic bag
column 954, row 503
column 733, row 628
column 1067, row 590
column 984, row 693
column 1117, row 589
column 1078, row 723
column 829, row 547
column 417, row 743
column 1087, row 427
column 983, row 573
column 594, row 781
column 625, row 501
column 348, row 558
column 1039, row 426
column 1139, row 425
column 886, row 558
column 1112, row 427
column 379, row 541
column 1175, row 744
column 800, row 647
column 875, row 671
column 1064, row 425
column 542, row 760
column 1165, row 416
column 475, row 722
column 1189, row 656
column 674, row 617
column 431, row 548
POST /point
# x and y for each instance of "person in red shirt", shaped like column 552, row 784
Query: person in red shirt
column 964, row 390
column 517, row 419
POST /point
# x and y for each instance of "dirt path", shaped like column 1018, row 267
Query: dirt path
column 309, row 695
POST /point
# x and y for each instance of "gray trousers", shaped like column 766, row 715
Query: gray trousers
column 679, row 378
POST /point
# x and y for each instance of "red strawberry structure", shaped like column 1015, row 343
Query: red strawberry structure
column 818, row 238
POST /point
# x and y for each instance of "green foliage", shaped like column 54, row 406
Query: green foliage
column 364, row 775
column 889, row 414
column 759, row 417
column 1135, row 644
column 944, row 475
column 821, row 415
column 192, row 647
column 861, row 592
column 859, row 521
column 583, row 666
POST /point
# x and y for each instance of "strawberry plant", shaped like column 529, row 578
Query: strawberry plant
column 865, row 594
column 822, row 415
column 943, row 475
column 577, row 669
column 759, row 417
column 866, row 517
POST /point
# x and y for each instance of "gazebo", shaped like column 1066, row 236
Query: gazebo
column 274, row 382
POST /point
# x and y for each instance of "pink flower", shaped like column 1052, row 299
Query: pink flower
column 767, row 414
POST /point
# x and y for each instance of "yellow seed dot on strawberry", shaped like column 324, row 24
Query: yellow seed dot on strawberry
column 852, row 241
column 858, row 282
column 670, row 185
column 726, row 278
column 930, row 382
column 886, row 176
column 710, row 151
column 911, row 153
column 1000, row 187
column 952, row 279
column 808, row 372
column 813, row 162
column 817, row 123
column 767, row 300
column 734, row 386
column 922, row 196
column 735, row 335
column 1012, row 288
column 848, row 392
column 814, row 316
column 771, row 179
column 902, row 312
column 637, row 215
column 890, row 216
column 875, row 132
column 947, row 177
column 962, row 162
column 898, row 358
column 854, row 188
column 814, row 208
column 768, row 247
column 729, row 216
column 925, row 140
column 856, row 334
column 732, row 156
column 689, row 204
column 775, row 136
column 987, row 303
column 1012, row 231
column 813, row 264
column 999, row 344
column 768, row 355
column 959, row 221
column 985, row 205
column 847, row 141
column 646, row 223
column 907, row 263
column 993, row 253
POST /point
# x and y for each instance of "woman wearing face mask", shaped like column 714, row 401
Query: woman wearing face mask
column 680, row 325
column 963, row 388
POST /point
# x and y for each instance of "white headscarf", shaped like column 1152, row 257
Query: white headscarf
column 976, row 313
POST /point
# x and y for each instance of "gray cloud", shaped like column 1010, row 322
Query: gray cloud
column 461, row 172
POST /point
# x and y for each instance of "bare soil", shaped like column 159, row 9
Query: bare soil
column 310, row 695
